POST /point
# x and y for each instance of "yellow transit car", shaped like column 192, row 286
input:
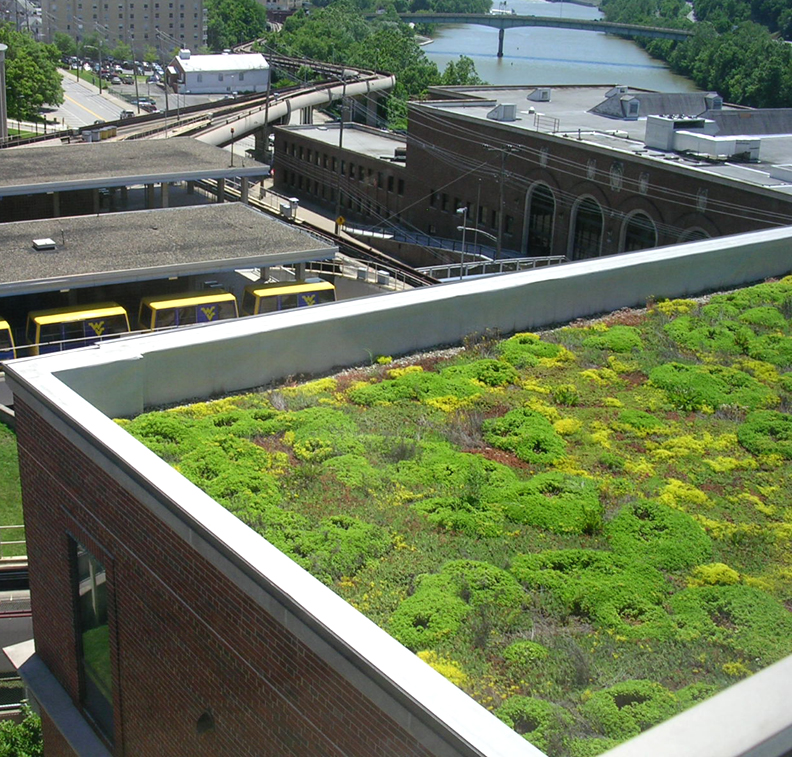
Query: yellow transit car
column 7, row 347
column 74, row 326
column 165, row 311
column 269, row 298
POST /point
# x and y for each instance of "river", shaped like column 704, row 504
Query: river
column 533, row 55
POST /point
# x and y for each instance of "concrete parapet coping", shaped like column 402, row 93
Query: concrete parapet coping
column 53, row 699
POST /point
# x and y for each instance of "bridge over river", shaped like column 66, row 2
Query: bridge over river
column 503, row 21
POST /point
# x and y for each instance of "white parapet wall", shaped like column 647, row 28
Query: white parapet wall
column 124, row 377
column 78, row 390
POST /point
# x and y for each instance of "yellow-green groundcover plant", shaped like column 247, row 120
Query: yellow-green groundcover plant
column 587, row 530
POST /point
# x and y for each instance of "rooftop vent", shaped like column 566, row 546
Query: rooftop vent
column 541, row 95
column 619, row 89
column 400, row 153
column 184, row 54
column 503, row 112
column 44, row 244
column 714, row 101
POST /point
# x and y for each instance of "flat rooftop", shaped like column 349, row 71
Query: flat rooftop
column 360, row 139
column 571, row 112
column 91, row 165
column 147, row 244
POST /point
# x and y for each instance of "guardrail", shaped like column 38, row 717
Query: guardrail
column 5, row 544
column 491, row 267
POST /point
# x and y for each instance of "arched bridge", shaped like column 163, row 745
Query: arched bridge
column 503, row 21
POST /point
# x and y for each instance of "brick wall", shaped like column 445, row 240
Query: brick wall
column 184, row 639
column 56, row 745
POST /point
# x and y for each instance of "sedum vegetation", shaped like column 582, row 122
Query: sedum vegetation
column 588, row 530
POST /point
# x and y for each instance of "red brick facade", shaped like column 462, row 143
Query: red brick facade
column 185, row 640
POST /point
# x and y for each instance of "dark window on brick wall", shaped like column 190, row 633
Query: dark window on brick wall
column 401, row 186
column 93, row 638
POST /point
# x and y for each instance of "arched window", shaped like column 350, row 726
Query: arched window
column 693, row 235
column 587, row 230
column 639, row 233
column 541, row 214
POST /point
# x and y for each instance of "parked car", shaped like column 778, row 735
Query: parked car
column 127, row 80
column 115, row 80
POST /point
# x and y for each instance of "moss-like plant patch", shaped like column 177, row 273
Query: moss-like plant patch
column 587, row 530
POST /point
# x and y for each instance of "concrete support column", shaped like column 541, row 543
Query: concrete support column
column 372, row 106
column 501, row 34
column 164, row 193
column 97, row 206
column 261, row 138
column 244, row 188
column 55, row 204
column 124, row 196
column 306, row 115
column 149, row 196
column 299, row 271
column 221, row 190
column 190, row 187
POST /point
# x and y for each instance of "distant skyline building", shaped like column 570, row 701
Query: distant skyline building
column 139, row 23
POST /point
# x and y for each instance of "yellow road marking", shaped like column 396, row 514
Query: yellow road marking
column 80, row 105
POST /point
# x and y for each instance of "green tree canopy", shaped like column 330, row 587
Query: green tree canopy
column 338, row 34
column 65, row 43
column 32, row 76
column 233, row 21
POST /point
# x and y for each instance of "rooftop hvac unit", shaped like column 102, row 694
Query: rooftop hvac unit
column 541, row 95
column 503, row 112
column 44, row 244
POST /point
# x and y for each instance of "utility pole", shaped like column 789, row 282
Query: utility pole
column 340, row 149
column 503, row 151
column 463, row 212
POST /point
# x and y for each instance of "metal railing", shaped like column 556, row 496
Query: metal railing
column 491, row 267
column 5, row 544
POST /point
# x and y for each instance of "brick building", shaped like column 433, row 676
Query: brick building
column 571, row 170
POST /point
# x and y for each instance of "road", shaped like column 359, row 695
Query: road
column 83, row 105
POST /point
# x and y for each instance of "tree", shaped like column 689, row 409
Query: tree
column 122, row 51
column 65, row 43
column 150, row 54
column 461, row 73
column 233, row 21
column 32, row 76
column 21, row 739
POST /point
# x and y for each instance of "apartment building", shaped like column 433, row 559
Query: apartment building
column 141, row 24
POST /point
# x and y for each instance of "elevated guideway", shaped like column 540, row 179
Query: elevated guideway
column 242, row 123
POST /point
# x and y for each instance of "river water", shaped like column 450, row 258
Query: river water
column 533, row 55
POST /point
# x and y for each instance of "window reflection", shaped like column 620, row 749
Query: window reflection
column 94, row 640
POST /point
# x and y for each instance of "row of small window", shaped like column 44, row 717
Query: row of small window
column 131, row 6
column 352, row 204
column 221, row 77
column 484, row 217
column 354, row 172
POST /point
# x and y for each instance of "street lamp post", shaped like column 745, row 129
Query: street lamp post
column 232, row 147
column 99, row 52
column 340, row 149
column 463, row 212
